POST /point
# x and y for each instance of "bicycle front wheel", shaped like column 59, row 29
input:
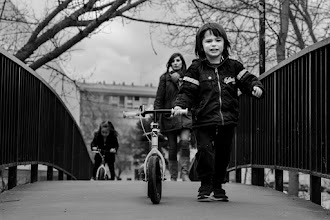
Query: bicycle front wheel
column 101, row 174
column 154, row 179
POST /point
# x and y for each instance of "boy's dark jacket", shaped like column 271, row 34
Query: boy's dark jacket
column 111, row 142
column 200, row 91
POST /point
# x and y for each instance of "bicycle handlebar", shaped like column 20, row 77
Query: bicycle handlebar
column 101, row 150
column 130, row 114
column 144, row 112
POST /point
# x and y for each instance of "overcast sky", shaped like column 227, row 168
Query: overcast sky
column 121, row 53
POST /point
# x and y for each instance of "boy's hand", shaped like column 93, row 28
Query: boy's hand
column 176, row 110
column 112, row 150
column 257, row 92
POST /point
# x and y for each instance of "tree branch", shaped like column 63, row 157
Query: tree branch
column 110, row 13
column 3, row 8
column 46, row 21
column 159, row 22
column 198, row 10
column 296, row 30
column 30, row 47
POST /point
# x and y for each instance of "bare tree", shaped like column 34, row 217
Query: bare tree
column 77, row 20
column 291, row 25
column 70, row 21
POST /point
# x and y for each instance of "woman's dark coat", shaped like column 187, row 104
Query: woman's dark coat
column 166, row 95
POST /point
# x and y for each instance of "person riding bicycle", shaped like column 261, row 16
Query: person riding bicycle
column 105, row 139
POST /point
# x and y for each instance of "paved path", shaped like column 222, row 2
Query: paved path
column 127, row 200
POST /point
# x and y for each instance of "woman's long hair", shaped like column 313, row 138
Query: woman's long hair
column 108, row 124
column 170, row 61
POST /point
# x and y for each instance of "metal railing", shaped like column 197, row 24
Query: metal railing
column 36, row 127
column 288, row 128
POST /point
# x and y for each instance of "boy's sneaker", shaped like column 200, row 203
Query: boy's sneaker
column 204, row 192
column 219, row 195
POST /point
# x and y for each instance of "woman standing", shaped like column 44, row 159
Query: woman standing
column 175, row 128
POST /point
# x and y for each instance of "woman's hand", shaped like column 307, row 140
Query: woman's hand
column 257, row 92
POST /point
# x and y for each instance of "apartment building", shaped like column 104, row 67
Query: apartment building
column 101, row 101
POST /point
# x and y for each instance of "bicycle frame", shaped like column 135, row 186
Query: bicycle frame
column 154, row 150
column 154, row 134
column 103, row 165
column 154, row 169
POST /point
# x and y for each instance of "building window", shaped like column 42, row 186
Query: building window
column 129, row 105
column 136, row 98
column 121, row 101
column 106, row 98
column 114, row 100
column 144, row 101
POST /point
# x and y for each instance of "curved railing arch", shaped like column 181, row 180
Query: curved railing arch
column 288, row 129
column 36, row 127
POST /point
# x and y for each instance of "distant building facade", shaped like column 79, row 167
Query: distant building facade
column 100, row 101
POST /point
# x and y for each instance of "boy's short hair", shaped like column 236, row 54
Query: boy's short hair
column 218, row 31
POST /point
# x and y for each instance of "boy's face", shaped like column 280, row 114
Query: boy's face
column 176, row 64
column 213, row 46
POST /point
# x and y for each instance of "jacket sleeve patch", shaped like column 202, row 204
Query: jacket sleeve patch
column 241, row 74
column 191, row 80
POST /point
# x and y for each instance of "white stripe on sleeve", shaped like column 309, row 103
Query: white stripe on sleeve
column 241, row 74
column 191, row 80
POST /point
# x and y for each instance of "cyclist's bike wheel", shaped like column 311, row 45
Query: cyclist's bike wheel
column 154, row 180
column 101, row 174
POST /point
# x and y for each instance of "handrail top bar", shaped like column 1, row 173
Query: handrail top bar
column 23, row 65
column 296, row 56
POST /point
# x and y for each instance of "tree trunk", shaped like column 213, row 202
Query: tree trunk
column 284, row 26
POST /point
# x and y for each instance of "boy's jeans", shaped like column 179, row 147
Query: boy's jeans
column 213, row 155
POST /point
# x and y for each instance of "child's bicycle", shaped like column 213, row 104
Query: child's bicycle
column 154, row 164
column 103, row 172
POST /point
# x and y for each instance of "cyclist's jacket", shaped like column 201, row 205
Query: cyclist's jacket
column 211, row 91
column 111, row 142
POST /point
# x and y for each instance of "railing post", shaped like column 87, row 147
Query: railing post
column 34, row 173
column 227, row 176
column 258, row 176
column 315, row 189
column 60, row 175
column 238, row 175
column 12, row 177
column 136, row 174
column 279, row 180
column 293, row 183
column 49, row 173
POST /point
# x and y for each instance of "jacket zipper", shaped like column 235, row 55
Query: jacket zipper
column 221, row 115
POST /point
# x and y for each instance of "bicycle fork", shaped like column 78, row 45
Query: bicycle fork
column 154, row 150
